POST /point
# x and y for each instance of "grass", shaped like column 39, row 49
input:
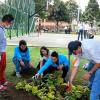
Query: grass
column 34, row 52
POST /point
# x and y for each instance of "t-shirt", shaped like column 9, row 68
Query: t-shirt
column 44, row 57
column 90, row 51
column 62, row 60
column 2, row 40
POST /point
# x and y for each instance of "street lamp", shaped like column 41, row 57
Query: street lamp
column 78, row 15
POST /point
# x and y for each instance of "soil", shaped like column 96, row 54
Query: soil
column 13, row 94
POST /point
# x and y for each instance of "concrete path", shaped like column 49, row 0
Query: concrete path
column 46, row 39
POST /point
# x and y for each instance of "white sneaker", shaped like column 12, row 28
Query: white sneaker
column 5, row 83
column 18, row 75
column 85, row 66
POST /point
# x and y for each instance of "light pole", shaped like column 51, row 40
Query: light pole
column 78, row 15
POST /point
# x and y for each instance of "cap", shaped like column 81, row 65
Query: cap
column 73, row 45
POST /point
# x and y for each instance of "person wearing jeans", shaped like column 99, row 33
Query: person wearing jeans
column 21, row 58
column 94, row 82
column 55, row 62
column 89, row 50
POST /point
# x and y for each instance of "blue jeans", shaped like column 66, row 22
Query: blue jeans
column 80, row 33
column 94, row 83
column 20, row 68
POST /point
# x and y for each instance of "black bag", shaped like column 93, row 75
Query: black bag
column 91, row 36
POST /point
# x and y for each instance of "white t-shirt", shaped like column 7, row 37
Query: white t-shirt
column 44, row 57
column 90, row 51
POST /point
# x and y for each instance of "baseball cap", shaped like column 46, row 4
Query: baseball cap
column 73, row 45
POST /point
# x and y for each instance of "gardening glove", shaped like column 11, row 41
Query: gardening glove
column 69, row 87
column 36, row 76
column 32, row 78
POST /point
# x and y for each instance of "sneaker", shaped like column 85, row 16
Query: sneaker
column 85, row 66
column 5, row 83
column 18, row 75
column 2, row 88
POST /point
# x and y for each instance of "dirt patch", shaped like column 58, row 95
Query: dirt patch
column 13, row 94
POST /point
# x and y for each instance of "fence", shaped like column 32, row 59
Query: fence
column 21, row 10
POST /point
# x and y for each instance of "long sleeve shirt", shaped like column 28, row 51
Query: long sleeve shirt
column 21, row 55
column 2, row 40
column 62, row 60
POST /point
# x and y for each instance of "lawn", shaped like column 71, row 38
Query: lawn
column 34, row 52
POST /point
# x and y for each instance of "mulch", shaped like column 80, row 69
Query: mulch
column 12, row 94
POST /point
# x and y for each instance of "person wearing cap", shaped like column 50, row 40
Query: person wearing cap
column 6, row 21
column 90, row 50
column 55, row 62
column 21, row 59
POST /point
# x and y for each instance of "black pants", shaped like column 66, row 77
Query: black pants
column 51, row 69
column 38, row 66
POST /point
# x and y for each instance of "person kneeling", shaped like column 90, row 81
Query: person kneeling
column 21, row 59
column 55, row 62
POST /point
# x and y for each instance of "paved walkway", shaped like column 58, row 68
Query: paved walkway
column 46, row 39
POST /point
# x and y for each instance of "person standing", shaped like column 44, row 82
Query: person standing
column 39, row 28
column 5, row 22
column 80, row 31
column 66, row 29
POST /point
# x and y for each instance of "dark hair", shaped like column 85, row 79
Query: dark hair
column 54, row 54
column 73, row 45
column 44, row 48
column 22, row 42
column 7, row 18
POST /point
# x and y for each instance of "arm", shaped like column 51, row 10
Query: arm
column 45, row 66
column 65, row 63
column 97, row 65
column 73, row 74
column 28, row 55
column 88, row 74
column 17, row 54
column 41, row 63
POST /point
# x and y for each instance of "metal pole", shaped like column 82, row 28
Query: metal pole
column 78, row 17
column 28, row 24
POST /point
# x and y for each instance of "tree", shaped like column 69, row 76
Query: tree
column 58, row 12
column 40, row 8
column 92, row 11
column 72, row 9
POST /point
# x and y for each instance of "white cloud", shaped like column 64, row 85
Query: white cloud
column 2, row 1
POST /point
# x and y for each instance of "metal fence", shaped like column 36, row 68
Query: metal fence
column 21, row 10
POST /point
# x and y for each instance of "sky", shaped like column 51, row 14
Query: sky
column 82, row 3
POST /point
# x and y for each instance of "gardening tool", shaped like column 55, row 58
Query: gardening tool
column 31, row 79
